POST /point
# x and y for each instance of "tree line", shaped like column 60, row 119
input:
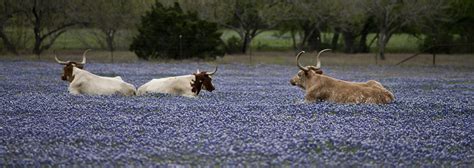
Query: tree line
column 49, row 19
column 349, row 22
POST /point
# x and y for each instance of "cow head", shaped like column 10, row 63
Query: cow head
column 306, row 72
column 202, row 80
column 69, row 65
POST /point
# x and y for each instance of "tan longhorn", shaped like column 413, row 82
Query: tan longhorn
column 319, row 87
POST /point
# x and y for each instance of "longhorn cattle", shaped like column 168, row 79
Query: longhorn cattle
column 84, row 82
column 319, row 87
column 186, row 85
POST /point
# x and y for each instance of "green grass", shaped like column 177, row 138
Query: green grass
column 75, row 39
column 87, row 38
column 265, row 41
column 272, row 40
column 399, row 43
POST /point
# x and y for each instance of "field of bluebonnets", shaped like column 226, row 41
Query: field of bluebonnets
column 254, row 117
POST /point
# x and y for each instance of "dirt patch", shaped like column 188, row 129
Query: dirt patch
column 350, row 59
column 281, row 58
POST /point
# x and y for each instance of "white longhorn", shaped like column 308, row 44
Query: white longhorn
column 85, row 82
column 185, row 85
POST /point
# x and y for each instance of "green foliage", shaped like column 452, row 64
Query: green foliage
column 429, row 44
column 171, row 33
column 451, row 32
column 233, row 45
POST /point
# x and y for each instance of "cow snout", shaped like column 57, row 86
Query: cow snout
column 208, row 88
column 212, row 89
column 292, row 82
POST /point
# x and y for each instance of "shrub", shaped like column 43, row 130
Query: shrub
column 233, row 45
column 171, row 33
column 430, row 43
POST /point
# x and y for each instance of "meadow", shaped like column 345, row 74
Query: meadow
column 253, row 118
column 271, row 40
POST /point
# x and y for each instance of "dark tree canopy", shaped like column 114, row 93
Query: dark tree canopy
column 171, row 33
column 189, row 29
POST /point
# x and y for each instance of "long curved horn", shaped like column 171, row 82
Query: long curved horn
column 59, row 61
column 318, row 62
column 298, row 61
column 84, row 57
column 212, row 73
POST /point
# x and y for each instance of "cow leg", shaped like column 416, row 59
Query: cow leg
column 74, row 91
column 74, row 88
column 311, row 97
column 190, row 95
column 375, row 84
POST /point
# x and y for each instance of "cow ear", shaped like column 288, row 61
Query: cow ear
column 319, row 71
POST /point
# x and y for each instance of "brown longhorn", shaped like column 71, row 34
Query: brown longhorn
column 320, row 87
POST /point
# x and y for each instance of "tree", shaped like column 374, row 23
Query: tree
column 354, row 23
column 464, row 19
column 110, row 17
column 307, row 18
column 8, row 10
column 391, row 16
column 50, row 19
column 246, row 17
column 461, row 23
column 171, row 33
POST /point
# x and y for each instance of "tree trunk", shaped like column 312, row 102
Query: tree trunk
column 10, row 46
column 51, row 33
column 247, row 39
column 381, row 44
column 349, row 39
column 40, row 45
column 109, row 38
column 314, row 41
column 112, row 56
column 293, row 38
column 363, row 43
column 363, row 47
column 335, row 39
column 37, row 47
column 304, row 40
column 37, row 30
column 245, row 43
column 308, row 31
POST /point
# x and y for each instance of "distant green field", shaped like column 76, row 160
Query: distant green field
column 88, row 38
column 266, row 41
column 271, row 41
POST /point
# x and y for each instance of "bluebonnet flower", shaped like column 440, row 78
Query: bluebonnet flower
column 254, row 117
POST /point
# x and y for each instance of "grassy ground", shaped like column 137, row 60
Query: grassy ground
column 287, row 58
column 280, row 57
